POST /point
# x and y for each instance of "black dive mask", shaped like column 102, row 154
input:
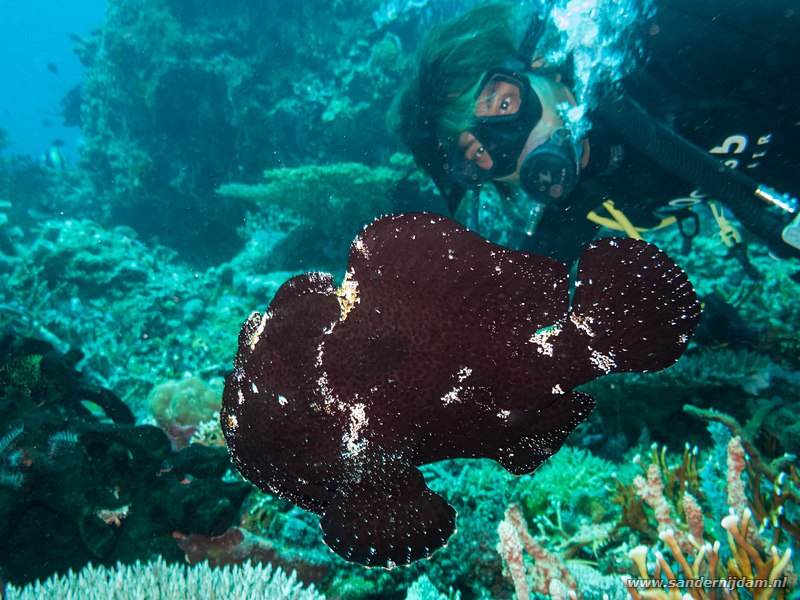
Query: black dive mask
column 550, row 171
column 512, row 110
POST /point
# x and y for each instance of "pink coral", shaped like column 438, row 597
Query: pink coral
column 510, row 548
column 178, row 406
column 694, row 516
column 548, row 569
column 737, row 499
column 651, row 491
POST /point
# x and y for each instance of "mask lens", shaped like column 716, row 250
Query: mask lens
column 506, row 109
column 500, row 96
column 468, row 162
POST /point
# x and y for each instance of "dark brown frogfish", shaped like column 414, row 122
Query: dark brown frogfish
column 438, row 344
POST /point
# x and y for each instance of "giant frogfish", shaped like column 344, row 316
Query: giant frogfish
column 437, row 345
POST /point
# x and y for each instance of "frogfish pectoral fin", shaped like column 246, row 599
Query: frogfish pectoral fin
column 634, row 309
column 387, row 519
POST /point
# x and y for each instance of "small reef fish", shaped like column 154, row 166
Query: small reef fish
column 437, row 345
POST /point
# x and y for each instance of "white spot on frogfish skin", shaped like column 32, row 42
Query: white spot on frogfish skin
column 504, row 414
column 282, row 400
column 352, row 441
column 240, row 396
column 582, row 323
column 557, row 389
column 602, row 361
column 542, row 339
column 318, row 362
column 361, row 247
column 257, row 334
column 452, row 396
column 463, row 373
column 325, row 390
column 254, row 387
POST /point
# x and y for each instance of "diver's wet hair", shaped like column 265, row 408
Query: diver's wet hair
column 451, row 62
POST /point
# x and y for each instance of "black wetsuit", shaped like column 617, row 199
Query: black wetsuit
column 725, row 74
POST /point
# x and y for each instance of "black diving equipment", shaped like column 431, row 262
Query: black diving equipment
column 551, row 170
column 779, row 222
column 686, row 218
column 499, row 138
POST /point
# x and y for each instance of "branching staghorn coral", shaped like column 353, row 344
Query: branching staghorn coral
column 749, row 561
column 161, row 581
column 773, row 490
column 703, row 574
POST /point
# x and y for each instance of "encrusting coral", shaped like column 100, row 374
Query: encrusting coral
column 181, row 406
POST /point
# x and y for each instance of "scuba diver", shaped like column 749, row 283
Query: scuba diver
column 710, row 116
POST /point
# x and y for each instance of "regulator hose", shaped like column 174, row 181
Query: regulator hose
column 742, row 194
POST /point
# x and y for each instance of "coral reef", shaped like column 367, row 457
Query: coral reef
column 154, row 162
column 89, row 484
column 161, row 581
column 678, row 502
column 562, row 501
column 180, row 406
column 333, row 202
column 563, row 509
column 133, row 310
column 78, row 284
column 229, row 145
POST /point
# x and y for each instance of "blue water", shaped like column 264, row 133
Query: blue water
column 32, row 35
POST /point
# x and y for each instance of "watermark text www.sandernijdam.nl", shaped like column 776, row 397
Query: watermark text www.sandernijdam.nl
column 729, row 583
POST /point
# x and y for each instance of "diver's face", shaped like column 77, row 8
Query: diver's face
column 506, row 134
column 552, row 95
column 498, row 98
